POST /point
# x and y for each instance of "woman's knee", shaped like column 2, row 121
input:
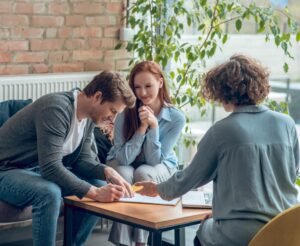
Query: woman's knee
column 144, row 173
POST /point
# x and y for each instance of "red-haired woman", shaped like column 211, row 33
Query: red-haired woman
column 144, row 139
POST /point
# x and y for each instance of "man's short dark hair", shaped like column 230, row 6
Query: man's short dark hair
column 113, row 88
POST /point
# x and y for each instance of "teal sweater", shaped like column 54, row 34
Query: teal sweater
column 252, row 157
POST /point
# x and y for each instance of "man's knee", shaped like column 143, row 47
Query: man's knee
column 52, row 194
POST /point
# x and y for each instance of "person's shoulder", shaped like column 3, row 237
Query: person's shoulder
column 277, row 116
column 175, row 113
column 57, row 100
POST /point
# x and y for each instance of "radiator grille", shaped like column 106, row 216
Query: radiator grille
column 34, row 86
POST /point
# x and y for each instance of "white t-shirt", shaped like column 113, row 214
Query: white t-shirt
column 75, row 134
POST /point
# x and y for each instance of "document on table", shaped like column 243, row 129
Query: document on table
column 197, row 199
column 147, row 199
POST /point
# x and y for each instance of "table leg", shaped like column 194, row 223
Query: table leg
column 68, row 226
column 156, row 238
column 180, row 236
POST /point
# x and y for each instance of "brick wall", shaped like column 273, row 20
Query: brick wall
column 49, row 36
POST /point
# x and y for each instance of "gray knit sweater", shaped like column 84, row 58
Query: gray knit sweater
column 35, row 136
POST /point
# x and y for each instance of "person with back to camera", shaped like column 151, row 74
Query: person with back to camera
column 144, row 139
column 45, row 153
column 252, row 157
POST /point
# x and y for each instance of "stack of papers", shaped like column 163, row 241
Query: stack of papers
column 147, row 199
column 197, row 199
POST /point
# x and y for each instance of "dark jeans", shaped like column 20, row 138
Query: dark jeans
column 24, row 187
column 197, row 241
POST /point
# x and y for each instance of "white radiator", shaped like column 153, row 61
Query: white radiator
column 35, row 85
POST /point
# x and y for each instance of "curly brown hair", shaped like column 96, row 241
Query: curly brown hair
column 241, row 81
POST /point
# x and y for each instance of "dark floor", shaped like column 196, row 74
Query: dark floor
column 100, row 238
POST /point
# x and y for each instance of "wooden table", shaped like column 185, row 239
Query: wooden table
column 153, row 218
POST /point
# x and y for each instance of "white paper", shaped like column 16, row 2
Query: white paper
column 147, row 199
column 195, row 199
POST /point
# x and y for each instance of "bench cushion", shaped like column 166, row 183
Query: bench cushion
column 10, row 107
column 12, row 214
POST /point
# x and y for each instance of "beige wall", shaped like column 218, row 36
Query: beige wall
column 49, row 36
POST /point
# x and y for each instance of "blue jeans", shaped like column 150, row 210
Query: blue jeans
column 25, row 187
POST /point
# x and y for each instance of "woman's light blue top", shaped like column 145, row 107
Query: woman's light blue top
column 252, row 156
column 156, row 145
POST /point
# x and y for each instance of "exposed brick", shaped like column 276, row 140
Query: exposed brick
column 4, row 33
column 88, row 8
column 5, row 7
column 116, row 54
column 111, row 32
column 65, row 32
column 14, row 45
column 40, row 68
column 101, row 1
column 39, row 8
column 72, row 44
column 58, row 8
column 14, row 69
column 87, row 32
column 81, row 55
column 69, row 67
column 114, row 8
column 122, row 65
column 26, row 57
column 51, row 33
column 29, row 8
column 75, row 20
column 103, row 43
column 27, row 32
column 46, row 44
column 98, row 66
column 101, row 20
column 14, row 20
column 58, row 57
column 5, row 57
column 24, row 8
column 47, row 21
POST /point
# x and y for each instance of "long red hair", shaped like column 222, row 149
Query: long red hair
column 131, row 121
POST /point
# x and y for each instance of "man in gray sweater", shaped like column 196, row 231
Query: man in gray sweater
column 45, row 153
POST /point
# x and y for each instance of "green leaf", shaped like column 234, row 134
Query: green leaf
column 274, row 30
column 172, row 74
column 286, row 67
column 238, row 25
column 201, row 27
column 277, row 40
column 179, row 77
column 284, row 46
column 203, row 3
column 224, row 39
column 118, row 46
column 169, row 31
column 202, row 54
column 298, row 37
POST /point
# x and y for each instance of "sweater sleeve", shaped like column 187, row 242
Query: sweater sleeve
column 51, row 126
column 200, row 171
column 157, row 148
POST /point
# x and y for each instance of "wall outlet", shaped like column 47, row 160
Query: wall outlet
column 126, row 34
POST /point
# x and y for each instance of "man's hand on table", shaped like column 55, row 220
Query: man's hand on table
column 113, row 177
column 107, row 193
